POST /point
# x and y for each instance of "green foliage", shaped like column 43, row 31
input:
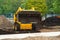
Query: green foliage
column 50, row 5
column 56, row 6
column 43, row 6
column 53, row 6
column 8, row 6
column 39, row 5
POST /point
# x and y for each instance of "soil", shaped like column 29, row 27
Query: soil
column 50, row 29
column 5, row 23
column 37, row 38
column 52, row 21
column 6, row 27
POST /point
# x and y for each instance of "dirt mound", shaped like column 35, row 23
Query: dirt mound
column 52, row 21
column 5, row 23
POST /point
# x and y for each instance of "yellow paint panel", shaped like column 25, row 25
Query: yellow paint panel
column 25, row 26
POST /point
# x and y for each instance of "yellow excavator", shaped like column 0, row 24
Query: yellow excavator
column 27, row 20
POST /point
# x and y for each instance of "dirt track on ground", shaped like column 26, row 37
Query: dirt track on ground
column 52, row 29
column 37, row 38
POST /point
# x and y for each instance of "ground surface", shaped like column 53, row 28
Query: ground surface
column 51, row 29
column 37, row 38
column 6, row 27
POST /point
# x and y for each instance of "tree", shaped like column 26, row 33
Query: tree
column 39, row 5
column 9, row 6
column 56, row 6
column 53, row 6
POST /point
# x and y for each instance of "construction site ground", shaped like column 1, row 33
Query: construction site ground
column 6, row 27
column 37, row 38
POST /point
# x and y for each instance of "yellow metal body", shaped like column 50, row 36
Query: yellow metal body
column 25, row 26
column 22, row 26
